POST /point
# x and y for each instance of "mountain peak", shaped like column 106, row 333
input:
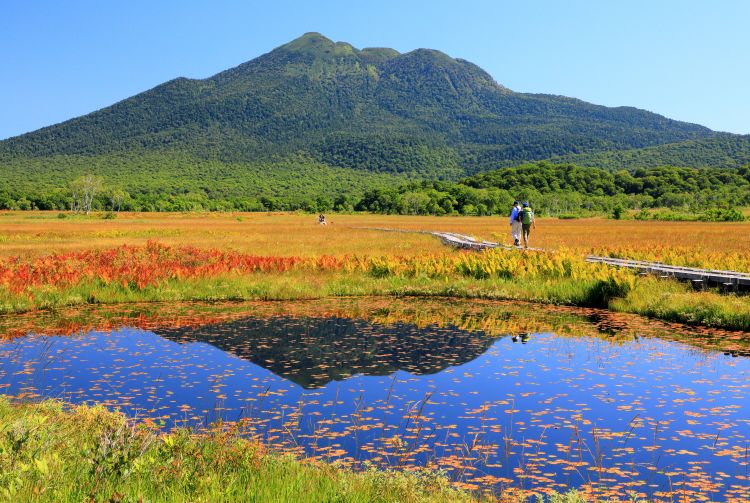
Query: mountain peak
column 307, row 39
column 316, row 44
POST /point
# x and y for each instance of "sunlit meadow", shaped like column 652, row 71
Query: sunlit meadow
column 49, row 261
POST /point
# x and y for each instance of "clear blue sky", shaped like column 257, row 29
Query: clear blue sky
column 686, row 59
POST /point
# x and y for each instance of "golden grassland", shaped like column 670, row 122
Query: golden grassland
column 40, row 233
column 46, row 261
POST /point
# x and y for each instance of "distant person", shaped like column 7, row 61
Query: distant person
column 527, row 222
column 322, row 219
column 515, row 223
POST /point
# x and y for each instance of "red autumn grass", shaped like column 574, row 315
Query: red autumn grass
column 137, row 267
column 141, row 266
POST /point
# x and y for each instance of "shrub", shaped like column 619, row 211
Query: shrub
column 722, row 215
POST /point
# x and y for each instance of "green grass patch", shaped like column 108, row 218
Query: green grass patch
column 91, row 454
column 677, row 302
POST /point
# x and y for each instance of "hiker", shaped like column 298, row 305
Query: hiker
column 515, row 223
column 527, row 222
column 322, row 219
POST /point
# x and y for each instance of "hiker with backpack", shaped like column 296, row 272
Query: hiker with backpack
column 527, row 222
column 515, row 223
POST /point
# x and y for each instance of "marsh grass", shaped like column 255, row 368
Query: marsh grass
column 387, row 263
column 661, row 299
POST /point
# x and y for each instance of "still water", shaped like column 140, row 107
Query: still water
column 494, row 405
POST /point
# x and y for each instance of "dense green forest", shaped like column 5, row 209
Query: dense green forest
column 422, row 113
column 181, row 182
column 725, row 152
column 159, row 184
column 569, row 190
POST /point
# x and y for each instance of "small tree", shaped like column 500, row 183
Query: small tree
column 414, row 203
column 84, row 190
column 117, row 196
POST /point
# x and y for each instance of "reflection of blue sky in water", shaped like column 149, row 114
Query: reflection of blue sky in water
column 540, row 413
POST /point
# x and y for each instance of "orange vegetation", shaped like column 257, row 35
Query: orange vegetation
column 138, row 267
column 41, row 233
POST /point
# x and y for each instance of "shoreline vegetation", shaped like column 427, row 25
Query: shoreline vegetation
column 156, row 272
column 50, row 451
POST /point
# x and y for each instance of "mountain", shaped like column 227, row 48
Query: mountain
column 314, row 104
column 371, row 109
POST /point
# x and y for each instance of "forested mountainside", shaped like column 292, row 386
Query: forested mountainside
column 371, row 109
column 316, row 121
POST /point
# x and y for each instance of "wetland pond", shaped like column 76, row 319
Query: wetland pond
column 499, row 396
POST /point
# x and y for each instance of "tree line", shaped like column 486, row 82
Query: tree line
column 552, row 189
column 567, row 189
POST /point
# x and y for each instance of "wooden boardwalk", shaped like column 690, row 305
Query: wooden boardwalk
column 700, row 278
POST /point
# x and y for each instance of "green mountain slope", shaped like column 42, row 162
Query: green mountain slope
column 316, row 123
column 373, row 109
column 729, row 151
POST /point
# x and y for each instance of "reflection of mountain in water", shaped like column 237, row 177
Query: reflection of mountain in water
column 314, row 351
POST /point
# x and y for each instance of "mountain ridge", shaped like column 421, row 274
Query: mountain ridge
column 374, row 109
